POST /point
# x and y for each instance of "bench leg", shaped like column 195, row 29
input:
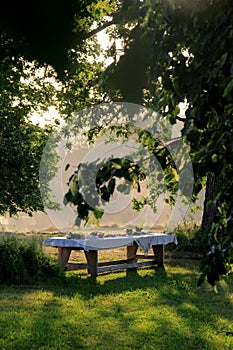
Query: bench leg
column 159, row 254
column 63, row 256
column 92, row 262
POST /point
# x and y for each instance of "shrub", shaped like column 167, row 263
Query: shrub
column 190, row 239
column 23, row 261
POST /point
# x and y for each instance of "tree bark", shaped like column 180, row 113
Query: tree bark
column 210, row 210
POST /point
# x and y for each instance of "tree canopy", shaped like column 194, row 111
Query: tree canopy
column 37, row 70
column 46, row 31
column 21, row 142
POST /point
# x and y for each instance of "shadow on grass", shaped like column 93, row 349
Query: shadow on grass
column 114, row 282
column 145, row 309
column 120, row 281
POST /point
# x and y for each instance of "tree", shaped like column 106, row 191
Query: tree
column 175, row 52
column 46, row 32
column 189, row 58
column 21, row 142
column 38, row 70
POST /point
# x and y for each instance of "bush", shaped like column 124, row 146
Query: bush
column 191, row 239
column 23, row 261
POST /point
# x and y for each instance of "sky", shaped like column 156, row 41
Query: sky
column 52, row 114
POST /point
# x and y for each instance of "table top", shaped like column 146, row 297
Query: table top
column 144, row 241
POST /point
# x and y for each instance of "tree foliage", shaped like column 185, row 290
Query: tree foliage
column 188, row 57
column 175, row 52
column 106, row 180
column 38, row 69
column 21, row 93
column 46, row 31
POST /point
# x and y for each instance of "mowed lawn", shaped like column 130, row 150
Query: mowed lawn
column 146, row 309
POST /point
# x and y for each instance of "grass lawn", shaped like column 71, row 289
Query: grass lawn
column 145, row 309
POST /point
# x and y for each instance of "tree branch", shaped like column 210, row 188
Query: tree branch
column 97, row 30
column 180, row 119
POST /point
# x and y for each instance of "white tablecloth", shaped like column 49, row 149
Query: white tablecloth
column 144, row 241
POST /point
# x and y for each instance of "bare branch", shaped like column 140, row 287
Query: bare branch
column 97, row 30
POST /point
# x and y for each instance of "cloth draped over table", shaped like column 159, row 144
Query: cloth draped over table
column 144, row 241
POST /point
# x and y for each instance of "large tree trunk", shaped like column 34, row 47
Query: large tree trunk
column 210, row 210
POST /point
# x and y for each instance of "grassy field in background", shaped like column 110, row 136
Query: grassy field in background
column 146, row 309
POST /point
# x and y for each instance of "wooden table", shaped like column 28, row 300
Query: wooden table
column 92, row 245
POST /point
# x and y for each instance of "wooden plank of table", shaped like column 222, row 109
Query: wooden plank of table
column 111, row 265
column 146, row 263
column 146, row 257
column 113, row 262
column 81, row 266
column 76, row 266
column 117, row 267
column 125, row 266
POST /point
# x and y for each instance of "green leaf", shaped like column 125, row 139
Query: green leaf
column 98, row 213
column 228, row 88
column 67, row 166
column 135, row 182
column 111, row 186
column 74, row 188
column 83, row 211
column 116, row 165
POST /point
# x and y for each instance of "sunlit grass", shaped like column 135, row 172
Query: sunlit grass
column 147, row 309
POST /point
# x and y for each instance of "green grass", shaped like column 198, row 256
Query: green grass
column 145, row 309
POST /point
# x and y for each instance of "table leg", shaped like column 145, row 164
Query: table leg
column 159, row 254
column 63, row 256
column 131, row 253
column 92, row 262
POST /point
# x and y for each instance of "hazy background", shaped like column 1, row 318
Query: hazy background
column 40, row 222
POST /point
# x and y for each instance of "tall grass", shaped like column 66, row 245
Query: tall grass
column 23, row 261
